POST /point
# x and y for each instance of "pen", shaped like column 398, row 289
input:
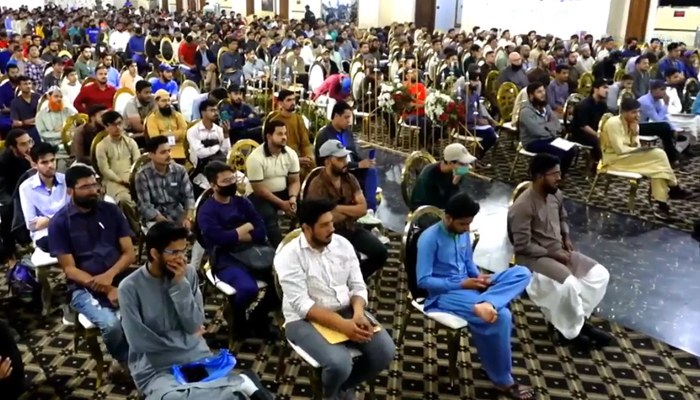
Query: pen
column 101, row 226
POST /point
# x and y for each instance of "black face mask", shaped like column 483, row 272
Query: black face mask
column 165, row 111
column 86, row 202
column 228, row 191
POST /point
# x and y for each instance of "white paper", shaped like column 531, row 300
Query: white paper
column 562, row 144
column 171, row 140
column 481, row 127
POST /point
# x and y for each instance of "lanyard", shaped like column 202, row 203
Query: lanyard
column 341, row 138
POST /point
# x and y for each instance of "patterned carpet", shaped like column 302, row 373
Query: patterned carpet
column 577, row 185
column 636, row 367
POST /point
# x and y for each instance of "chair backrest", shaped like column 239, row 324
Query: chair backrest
column 411, row 170
column 67, row 133
column 19, row 226
column 122, row 98
column 506, row 100
column 316, row 76
column 423, row 218
column 238, row 155
column 93, row 149
column 195, row 225
column 135, row 168
column 285, row 241
column 307, row 182
column 189, row 91
column 520, row 189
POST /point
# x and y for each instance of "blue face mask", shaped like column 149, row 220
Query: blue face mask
column 462, row 171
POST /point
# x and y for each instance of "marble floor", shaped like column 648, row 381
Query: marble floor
column 655, row 271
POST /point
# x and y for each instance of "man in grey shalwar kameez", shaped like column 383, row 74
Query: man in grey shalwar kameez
column 163, row 320
column 566, row 285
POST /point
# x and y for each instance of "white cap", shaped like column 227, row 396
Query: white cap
column 457, row 152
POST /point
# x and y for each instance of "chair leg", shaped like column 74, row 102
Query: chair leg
column 78, row 332
column 607, row 185
column 515, row 164
column 316, row 385
column 280, row 361
column 96, row 354
column 372, row 394
column 590, row 192
column 453, row 339
column 229, row 314
column 404, row 323
column 634, row 184
column 42, row 274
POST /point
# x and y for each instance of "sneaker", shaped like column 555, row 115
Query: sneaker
column 376, row 232
column 369, row 219
column 68, row 316
column 482, row 165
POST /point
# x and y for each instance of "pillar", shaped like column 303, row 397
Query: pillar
column 617, row 20
column 368, row 12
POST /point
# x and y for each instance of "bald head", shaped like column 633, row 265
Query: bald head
column 515, row 59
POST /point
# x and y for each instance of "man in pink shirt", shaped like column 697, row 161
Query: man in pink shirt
column 336, row 87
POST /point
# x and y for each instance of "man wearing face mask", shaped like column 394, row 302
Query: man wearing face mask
column 566, row 285
column 439, row 181
column 514, row 72
column 92, row 242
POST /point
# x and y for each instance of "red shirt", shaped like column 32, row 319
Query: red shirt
column 419, row 93
column 91, row 95
column 331, row 87
column 186, row 53
column 3, row 44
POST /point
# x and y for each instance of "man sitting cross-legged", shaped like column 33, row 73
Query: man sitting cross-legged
column 92, row 242
column 322, row 284
column 566, row 285
column 163, row 319
column 230, row 224
column 445, row 268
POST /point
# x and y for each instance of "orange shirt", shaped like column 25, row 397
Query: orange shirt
column 419, row 93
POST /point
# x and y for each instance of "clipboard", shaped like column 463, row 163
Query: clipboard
column 335, row 337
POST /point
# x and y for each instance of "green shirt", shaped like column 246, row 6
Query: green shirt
column 433, row 188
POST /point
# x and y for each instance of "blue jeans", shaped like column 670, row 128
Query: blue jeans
column 105, row 319
column 368, row 180
column 488, row 139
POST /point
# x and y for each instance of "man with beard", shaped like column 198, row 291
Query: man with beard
column 84, row 135
column 273, row 170
column 445, row 268
column 51, row 118
column 7, row 94
column 335, row 183
column 297, row 133
column 574, row 75
column 165, row 121
column 240, row 117
column 166, row 82
column 230, row 224
column 513, row 72
column 137, row 47
column 52, row 51
column 322, row 284
column 539, row 127
column 566, row 285
column 138, row 108
column 42, row 194
column 92, row 242
column 85, row 65
column 23, row 108
column 112, row 73
column 14, row 162
column 587, row 115
column 100, row 92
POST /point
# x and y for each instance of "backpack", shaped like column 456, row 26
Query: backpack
column 22, row 279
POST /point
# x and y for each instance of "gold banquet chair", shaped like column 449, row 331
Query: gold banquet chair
column 632, row 177
column 84, row 329
column 317, row 371
column 145, row 158
column 73, row 122
column 238, row 155
column 452, row 324
column 221, row 286
column 520, row 189
column 411, row 170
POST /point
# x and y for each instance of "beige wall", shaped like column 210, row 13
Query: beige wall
column 683, row 27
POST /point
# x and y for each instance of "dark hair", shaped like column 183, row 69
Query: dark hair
column 561, row 67
column 99, row 67
column 339, row 108
column 66, row 71
column 542, row 163
column 152, row 144
column 653, row 58
column 214, row 168
column 283, row 94
column 631, row 40
column 475, row 47
column 629, row 104
column 41, row 149
column 218, row 94
column 24, row 78
column 672, row 46
column 12, row 66
column 598, row 83
column 110, row 117
column 309, row 211
column 532, row 88
column 85, row 47
column 271, row 126
column 76, row 173
column 162, row 234
column 641, row 58
column 142, row 84
column 13, row 135
column 94, row 109
column 626, row 77
column 670, row 72
column 461, row 206
column 56, row 60
column 206, row 104
column 128, row 62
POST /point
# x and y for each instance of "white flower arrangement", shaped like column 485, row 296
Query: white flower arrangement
column 386, row 96
column 435, row 104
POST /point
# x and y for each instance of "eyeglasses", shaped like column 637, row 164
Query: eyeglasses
column 175, row 252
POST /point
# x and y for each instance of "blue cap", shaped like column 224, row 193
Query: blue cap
column 165, row 67
column 345, row 85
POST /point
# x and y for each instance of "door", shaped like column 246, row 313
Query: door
column 178, row 5
column 425, row 14
column 250, row 7
column 445, row 14
column 637, row 20
column 284, row 9
column 458, row 14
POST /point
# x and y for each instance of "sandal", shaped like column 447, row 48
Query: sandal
column 518, row 392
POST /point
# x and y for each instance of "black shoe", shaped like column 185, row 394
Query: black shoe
column 598, row 337
column 678, row 193
column 662, row 211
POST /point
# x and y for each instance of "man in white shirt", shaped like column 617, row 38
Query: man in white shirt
column 322, row 285
column 585, row 62
column 119, row 39
column 687, row 124
column 208, row 142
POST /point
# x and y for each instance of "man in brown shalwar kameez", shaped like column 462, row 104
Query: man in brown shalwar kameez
column 566, row 285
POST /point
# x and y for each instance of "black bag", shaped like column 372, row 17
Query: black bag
column 255, row 257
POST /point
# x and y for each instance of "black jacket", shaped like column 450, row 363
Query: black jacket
column 11, row 170
column 329, row 133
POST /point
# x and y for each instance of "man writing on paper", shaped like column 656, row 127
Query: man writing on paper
column 322, row 286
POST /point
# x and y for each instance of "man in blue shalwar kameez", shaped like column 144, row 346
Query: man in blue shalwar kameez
column 446, row 269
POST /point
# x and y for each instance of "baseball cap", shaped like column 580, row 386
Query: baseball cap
column 333, row 148
column 457, row 152
column 165, row 67
column 345, row 85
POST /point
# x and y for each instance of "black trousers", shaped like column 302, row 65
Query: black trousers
column 366, row 243
column 11, row 387
column 664, row 132
column 8, row 239
column 269, row 213
column 591, row 141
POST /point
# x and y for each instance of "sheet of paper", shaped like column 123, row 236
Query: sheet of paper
column 334, row 337
column 481, row 127
column 171, row 140
column 562, row 144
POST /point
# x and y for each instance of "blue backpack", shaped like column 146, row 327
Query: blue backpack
column 22, row 279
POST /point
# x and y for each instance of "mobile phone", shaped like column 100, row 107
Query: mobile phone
column 225, row 116
column 194, row 373
column 372, row 154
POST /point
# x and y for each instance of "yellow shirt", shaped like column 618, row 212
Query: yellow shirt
column 617, row 139
column 297, row 134
column 157, row 125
